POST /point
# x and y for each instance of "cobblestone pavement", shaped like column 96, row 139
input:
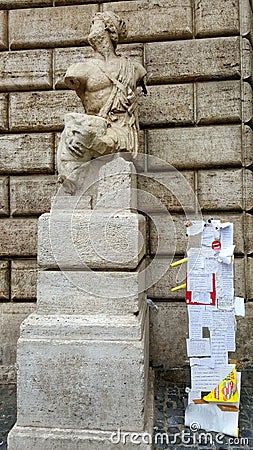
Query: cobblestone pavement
column 7, row 411
column 170, row 401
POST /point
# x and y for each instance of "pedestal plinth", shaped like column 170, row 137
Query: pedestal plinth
column 83, row 359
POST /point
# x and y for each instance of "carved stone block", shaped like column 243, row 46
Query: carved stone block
column 4, row 196
column 222, row 101
column 224, row 20
column 192, row 148
column 11, row 4
column 18, row 237
column 140, row 18
column 204, row 59
column 27, row 153
column 89, row 292
column 162, row 191
column 223, row 189
column 61, row 28
column 3, row 30
column 91, row 239
column 3, row 112
column 167, row 104
column 23, row 279
column 41, row 111
column 4, row 280
column 12, row 314
column 30, row 196
column 26, row 70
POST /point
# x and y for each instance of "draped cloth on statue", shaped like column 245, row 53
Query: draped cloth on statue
column 121, row 107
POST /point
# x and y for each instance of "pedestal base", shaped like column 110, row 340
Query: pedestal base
column 36, row 438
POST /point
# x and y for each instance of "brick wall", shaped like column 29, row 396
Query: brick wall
column 197, row 116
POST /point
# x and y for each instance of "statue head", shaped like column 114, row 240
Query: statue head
column 112, row 23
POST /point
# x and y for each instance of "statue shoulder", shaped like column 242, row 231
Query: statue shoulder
column 79, row 73
column 81, row 69
column 138, row 68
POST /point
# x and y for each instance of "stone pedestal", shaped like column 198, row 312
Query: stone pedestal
column 83, row 359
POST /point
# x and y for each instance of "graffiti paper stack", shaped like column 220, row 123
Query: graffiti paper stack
column 214, row 396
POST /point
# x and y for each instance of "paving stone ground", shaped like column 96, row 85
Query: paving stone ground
column 7, row 411
column 170, row 402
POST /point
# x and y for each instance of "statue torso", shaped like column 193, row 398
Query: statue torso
column 95, row 86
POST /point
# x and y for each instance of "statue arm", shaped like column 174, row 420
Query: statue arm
column 140, row 74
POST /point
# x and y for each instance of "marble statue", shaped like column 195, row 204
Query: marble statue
column 106, row 85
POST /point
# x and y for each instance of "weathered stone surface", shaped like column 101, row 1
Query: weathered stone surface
column 203, row 59
column 186, row 148
column 117, row 186
column 92, row 239
column 27, row 153
column 247, row 103
column 176, row 276
column 246, row 18
column 168, row 104
column 29, row 196
column 3, row 30
column 23, row 279
column 75, row 149
column 247, row 187
column 63, row 26
column 239, row 278
column 18, row 237
column 11, row 317
column 167, row 234
column 249, row 281
column 224, row 101
column 225, row 189
column 248, row 145
column 4, row 196
column 222, row 20
column 4, row 281
column 164, row 278
column 244, row 341
column 3, row 112
column 248, row 233
column 87, row 292
column 173, row 18
column 246, row 59
column 10, row 4
column 72, row 2
column 42, row 439
column 64, row 57
column 26, row 70
column 167, row 344
column 87, row 389
column 41, row 111
column 161, row 191
column 97, row 327
column 170, row 230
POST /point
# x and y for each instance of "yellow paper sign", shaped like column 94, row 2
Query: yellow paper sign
column 226, row 391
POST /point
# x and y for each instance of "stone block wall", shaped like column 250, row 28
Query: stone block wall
column 197, row 116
